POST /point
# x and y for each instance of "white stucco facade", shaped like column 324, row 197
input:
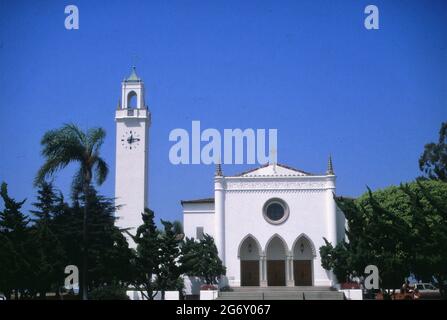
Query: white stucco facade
column 267, row 223
column 133, row 121
column 247, row 239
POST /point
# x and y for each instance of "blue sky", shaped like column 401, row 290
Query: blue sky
column 372, row 99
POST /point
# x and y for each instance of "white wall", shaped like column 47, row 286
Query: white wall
column 245, row 196
column 198, row 215
column 244, row 215
column 131, row 175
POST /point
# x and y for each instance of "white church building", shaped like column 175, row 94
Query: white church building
column 267, row 223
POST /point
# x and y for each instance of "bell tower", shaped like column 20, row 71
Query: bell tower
column 133, row 120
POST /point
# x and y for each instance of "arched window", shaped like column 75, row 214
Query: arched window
column 132, row 102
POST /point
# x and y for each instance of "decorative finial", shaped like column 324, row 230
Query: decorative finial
column 218, row 172
column 330, row 168
column 119, row 104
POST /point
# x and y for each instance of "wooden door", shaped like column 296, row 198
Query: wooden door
column 302, row 272
column 276, row 272
column 249, row 272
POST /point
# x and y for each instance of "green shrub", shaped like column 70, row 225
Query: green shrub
column 109, row 292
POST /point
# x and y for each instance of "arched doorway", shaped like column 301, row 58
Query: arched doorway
column 303, row 255
column 249, row 253
column 276, row 262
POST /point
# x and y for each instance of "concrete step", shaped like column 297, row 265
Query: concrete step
column 276, row 294
column 284, row 295
column 281, row 289
column 322, row 295
column 240, row 296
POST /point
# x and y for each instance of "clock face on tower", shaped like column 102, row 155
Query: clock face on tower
column 130, row 140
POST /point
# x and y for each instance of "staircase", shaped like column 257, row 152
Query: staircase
column 281, row 293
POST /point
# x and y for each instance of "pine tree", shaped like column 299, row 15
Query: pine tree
column 46, row 203
column 147, row 257
column 168, row 277
column 15, row 268
column 200, row 259
column 109, row 255
column 48, row 254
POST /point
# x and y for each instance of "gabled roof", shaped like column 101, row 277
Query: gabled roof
column 204, row 200
column 274, row 170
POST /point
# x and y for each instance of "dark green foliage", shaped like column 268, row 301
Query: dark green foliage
column 34, row 253
column 401, row 230
column 15, row 267
column 168, row 277
column 429, row 223
column 47, row 256
column 108, row 255
column 33, row 256
column 109, row 292
column 336, row 259
column 147, row 257
column 66, row 145
column 200, row 259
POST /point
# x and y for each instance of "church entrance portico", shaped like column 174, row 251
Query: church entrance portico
column 278, row 267
column 276, row 262
column 249, row 255
column 303, row 255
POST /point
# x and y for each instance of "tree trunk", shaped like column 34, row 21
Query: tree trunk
column 149, row 289
column 84, row 283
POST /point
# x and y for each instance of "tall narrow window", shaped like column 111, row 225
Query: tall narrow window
column 199, row 233
column 132, row 102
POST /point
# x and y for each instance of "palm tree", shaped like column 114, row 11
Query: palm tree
column 67, row 145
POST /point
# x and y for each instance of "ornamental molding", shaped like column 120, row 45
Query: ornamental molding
column 275, row 185
column 280, row 191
